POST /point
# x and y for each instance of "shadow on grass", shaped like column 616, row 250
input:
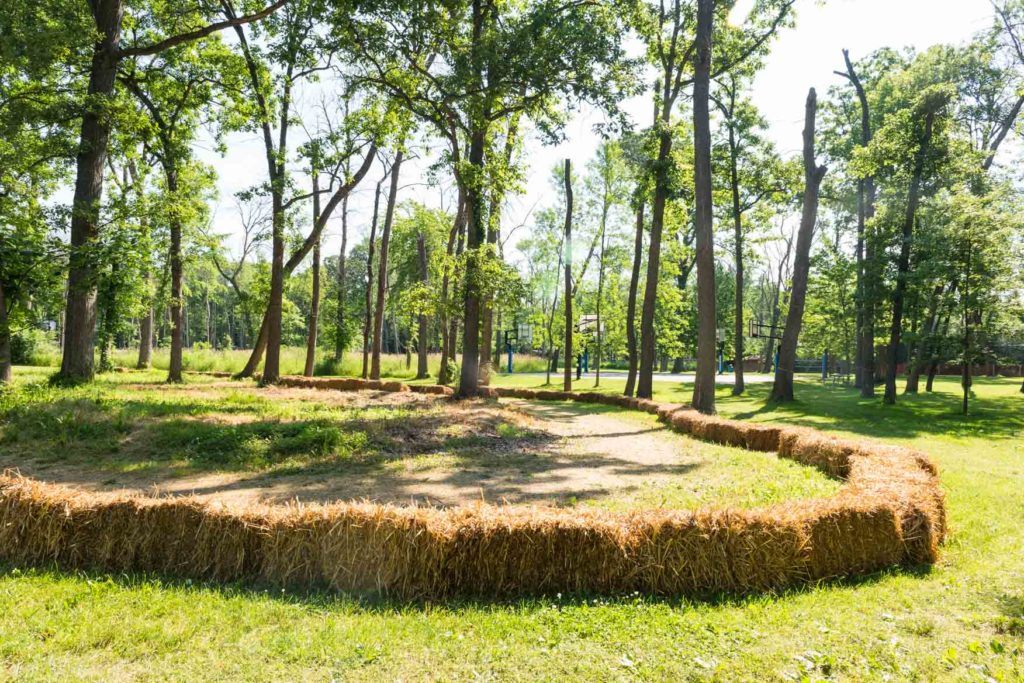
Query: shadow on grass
column 996, row 413
column 378, row 603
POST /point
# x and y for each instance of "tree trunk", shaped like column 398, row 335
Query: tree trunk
column 922, row 358
column 382, row 268
column 567, row 376
column 704, row 382
column 368, row 315
column 421, row 336
column 600, row 295
column 648, row 342
column 447, row 347
column 782, row 390
column 865, row 354
column 6, row 372
column 738, row 386
column 634, row 285
column 80, row 313
column 314, row 304
column 475, row 235
column 146, row 341
column 339, row 337
column 174, row 371
column 903, row 265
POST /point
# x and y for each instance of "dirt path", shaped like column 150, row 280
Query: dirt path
column 586, row 452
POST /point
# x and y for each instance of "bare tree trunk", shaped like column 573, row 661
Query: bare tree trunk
column 921, row 357
column 738, row 386
column 634, row 285
column 80, row 313
column 146, row 341
column 339, row 337
column 469, row 372
column 174, row 372
column 382, row 267
column 704, row 382
column 421, row 341
column 314, row 304
column 903, row 265
column 782, row 390
column 6, row 373
column 368, row 315
column 600, row 295
column 447, row 346
column 567, row 376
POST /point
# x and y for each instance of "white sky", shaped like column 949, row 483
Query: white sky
column 801, row 57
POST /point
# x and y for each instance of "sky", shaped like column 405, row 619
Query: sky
column 802, row 57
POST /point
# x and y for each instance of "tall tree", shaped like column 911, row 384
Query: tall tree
column 674, row 42
column 464, row 67
column 567, row 378
column 108, row 53
column 782, row 389
column 703, row 220
column 382, row 266
column 866, row 273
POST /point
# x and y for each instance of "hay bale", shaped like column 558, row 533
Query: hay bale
column 432, row 389
column 853, row 535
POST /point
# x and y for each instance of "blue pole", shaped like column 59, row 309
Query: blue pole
column 824, row 365
column 776, row 361
column 509, row 347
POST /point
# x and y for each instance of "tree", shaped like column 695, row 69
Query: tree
column 753, row 175
column 465, row 66
column 189, row 23
column 866, row 273
column 782, row 389
column 382, row 265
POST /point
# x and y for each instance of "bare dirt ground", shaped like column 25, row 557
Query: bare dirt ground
column 515, row 452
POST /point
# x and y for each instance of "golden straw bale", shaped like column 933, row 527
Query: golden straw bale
column 433, row 389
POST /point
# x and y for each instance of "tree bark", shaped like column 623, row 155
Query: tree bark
column 782, row 390
column 174, row 371
column 600, row 291
column 368, row 315
column 146, row 341
column 6, row 372
column 339, row 337
column 567, row 375
column 738, row 386
column 421, row 336
column 922, row 358
column 80, row 313
column 447, row 347
column 903, row 264
column 634, row 285
column 704, row 382
column 382, row 268
column 469, row 375
column 865, row 354
column 314, row 304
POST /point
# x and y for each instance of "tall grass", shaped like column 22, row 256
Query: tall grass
column 293, row 361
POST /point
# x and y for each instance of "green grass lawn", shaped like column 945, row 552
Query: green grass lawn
column 962, row 620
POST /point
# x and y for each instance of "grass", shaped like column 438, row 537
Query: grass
column 126, row 426
column 293, row 361
column 961, row 621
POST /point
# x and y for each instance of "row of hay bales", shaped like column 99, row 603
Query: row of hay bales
column 889, row 513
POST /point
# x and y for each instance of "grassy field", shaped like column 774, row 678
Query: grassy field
column 962, row 620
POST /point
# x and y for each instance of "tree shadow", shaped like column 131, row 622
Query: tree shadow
column 381, row 603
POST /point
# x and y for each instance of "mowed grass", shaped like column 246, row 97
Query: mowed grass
column 961, row 621
column 129, row 426
column 133, row 421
